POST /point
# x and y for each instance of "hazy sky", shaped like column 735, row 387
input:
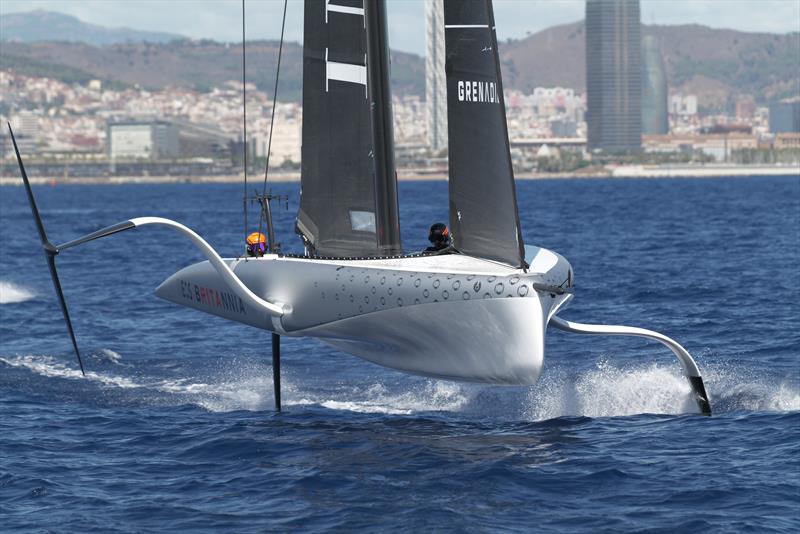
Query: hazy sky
column 221, row 19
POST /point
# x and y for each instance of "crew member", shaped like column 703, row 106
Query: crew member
column 439, row 236
column 256, row 245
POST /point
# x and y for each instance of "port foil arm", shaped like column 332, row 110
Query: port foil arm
column 233, row 281
column 689, row 366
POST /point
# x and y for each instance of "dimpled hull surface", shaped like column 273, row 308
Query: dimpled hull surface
column 451, row 316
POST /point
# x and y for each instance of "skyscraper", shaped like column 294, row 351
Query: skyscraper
column 655, row 120
column 613, row 75
column 435, row 81
column 784, row 116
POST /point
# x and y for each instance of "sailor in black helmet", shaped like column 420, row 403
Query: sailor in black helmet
column 439, row 236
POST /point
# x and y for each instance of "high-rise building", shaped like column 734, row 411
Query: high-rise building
column 784, row 116
column 613, row 75
column 655, row 118
column 435, row 81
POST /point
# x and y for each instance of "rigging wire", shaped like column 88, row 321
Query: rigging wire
column 244, row 119
column 272, row 118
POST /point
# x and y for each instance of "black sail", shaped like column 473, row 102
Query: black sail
column 338, row 213
column 483, row 202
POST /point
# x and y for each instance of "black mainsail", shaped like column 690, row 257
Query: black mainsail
column 348, row 202
column 483, row 202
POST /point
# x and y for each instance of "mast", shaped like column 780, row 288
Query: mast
column 378, row 63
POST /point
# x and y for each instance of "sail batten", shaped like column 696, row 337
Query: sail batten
column 483, row 207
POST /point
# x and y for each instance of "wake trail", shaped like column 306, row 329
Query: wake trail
column 603, row 391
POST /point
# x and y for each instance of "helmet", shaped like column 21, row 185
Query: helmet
column 256, row 244
column 439, row 235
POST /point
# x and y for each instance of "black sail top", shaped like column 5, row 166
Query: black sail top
column 338, row 214
column 483, row 202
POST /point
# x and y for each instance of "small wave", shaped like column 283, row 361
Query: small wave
column 11, row 293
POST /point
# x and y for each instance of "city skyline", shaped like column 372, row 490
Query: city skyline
column 221, row 19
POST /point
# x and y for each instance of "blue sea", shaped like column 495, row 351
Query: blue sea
column 173, row 428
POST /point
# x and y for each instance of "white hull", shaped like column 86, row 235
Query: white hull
column 499, row 341
column 453, row 316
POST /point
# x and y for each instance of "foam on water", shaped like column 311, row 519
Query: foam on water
column 243, row 391
column 11, row 293
column 248, row 387
column 430, row 396
column 604, row 391
column 746, row 390
column 607, row 391
column 49, row 367
column 109, row 356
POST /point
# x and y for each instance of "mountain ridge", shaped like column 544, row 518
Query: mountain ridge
column 717, row 65
column 42, row 25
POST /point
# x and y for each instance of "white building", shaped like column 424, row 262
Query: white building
column 142, row 140
column 683, row 105
column 286, row 143
column 27, row 131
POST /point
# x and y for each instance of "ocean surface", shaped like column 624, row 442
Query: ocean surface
column 173, row 428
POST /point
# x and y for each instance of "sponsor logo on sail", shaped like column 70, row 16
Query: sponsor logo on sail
column 475, row 91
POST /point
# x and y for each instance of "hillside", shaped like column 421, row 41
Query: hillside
column 40, row 25
column 713, row 64
column 200, row 65
column 717, row 65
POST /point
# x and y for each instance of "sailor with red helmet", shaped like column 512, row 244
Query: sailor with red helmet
column 439, row 236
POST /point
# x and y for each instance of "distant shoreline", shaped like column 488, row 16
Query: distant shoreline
column 623, row 172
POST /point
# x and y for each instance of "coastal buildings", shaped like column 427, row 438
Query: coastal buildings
column 613, row 75
column 71, row 129
column 134, row 140
column 435, row 81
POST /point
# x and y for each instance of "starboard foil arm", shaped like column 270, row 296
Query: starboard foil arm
column 689, row 366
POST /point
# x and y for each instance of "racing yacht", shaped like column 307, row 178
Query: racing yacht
column 492, row 297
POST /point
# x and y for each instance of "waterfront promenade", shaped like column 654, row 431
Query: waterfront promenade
column 621, row 172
